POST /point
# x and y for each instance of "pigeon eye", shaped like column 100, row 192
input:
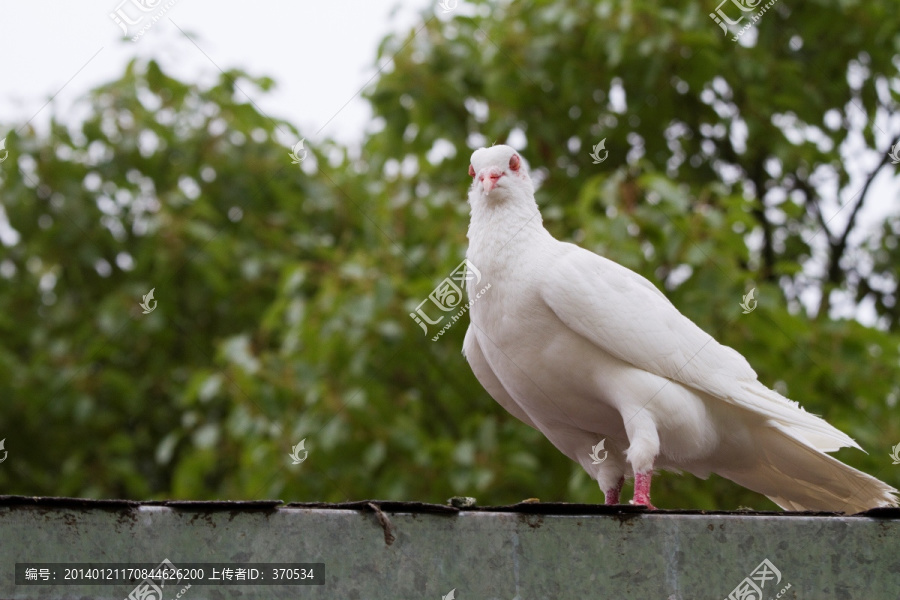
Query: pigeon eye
column 514, row 162
column 471, row 171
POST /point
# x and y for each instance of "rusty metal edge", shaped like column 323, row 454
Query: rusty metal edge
column 394, row 506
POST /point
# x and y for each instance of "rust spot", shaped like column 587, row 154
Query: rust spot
column 532, row 520
column 205, row 516
column 70, row 520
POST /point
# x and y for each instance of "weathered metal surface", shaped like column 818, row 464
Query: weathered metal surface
column 557, row 552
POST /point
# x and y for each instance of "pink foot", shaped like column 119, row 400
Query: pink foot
column 612, row 494
column 642, row 489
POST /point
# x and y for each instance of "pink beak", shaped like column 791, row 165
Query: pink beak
column 489, row 178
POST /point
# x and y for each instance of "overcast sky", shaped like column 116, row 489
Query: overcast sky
column 319, row 53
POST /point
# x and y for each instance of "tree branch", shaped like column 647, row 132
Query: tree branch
column 834, row 276
column 756, row 175
column 812, row 203
column 841, row 246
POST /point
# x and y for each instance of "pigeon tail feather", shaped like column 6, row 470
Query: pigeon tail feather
column 809, row 428
column 797, row 477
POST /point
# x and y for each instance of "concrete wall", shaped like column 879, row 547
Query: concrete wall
column 389, row 550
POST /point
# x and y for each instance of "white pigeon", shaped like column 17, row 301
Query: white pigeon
column 585, row 350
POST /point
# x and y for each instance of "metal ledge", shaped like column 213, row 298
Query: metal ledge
column 395, row 550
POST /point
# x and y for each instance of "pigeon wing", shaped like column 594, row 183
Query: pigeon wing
column 625, row 315
column 488, row 379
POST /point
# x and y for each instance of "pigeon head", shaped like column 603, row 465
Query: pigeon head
column 499, row 172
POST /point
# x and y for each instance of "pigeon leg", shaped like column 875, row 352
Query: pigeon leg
column 642, row 489
column 642, row 452
column 612, row 494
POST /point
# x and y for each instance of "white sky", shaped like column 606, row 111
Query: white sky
column 320, row 54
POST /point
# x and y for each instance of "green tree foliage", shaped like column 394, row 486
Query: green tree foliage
column 284, row 291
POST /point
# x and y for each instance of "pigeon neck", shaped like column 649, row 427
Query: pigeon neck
column 503, row 228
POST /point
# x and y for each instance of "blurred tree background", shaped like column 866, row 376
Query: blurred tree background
column 284, row 291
